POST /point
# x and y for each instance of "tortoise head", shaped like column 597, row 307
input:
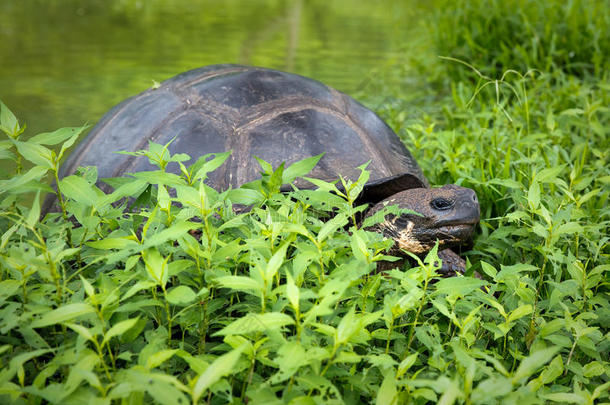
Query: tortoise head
column 448, row 215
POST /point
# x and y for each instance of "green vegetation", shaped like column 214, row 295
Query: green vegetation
column 497, row 35
column 186, row 301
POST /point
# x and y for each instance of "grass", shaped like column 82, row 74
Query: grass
column 186, row 301
column 496, row 35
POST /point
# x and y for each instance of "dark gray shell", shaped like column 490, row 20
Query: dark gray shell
column 253, row 111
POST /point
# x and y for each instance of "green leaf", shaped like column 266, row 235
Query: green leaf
column 339, row 221
column 272, row 183
column 352, row 325
column 156, row 265
column 179, row 157
column 509, row 183
column 159, row 177
column 137, row 287
column 488, row 269
column 439, row 304
column 319, row 199
column 450, row 393
column 292, row 292
column 5, row 153
column 533, row 362
column 77, row 189
column 593, row 369
column 196, row 364
column 16, row 364
column 519, row 312
column 81, row 330
column 230, row 251
column 158, row 358
column 552, row 371
column 190, row 196
column 323, row 185
column 459, row 286
column 533, row 195
column 62, row 314
column 256, row 323
column 493, row 387
column 174, row 232
column 267, row 168
column 8, row 121
column 8, row 288
column 380, row 215
column 6, row 236
column 113, row 243
column 600, row 389
column 163, row 198
column 324, row 329
column 506, row 272
column 165, row 389
column 405, row 365
column 291, row 357
column 300, row 168
column 348, row 357
column 275, row 262
column 239, row 283
column 181, row 295
column 386, row 395
column 203, row 166
column 358, row 245
column 354, row 190
column 130, row 189
column 347, row 327
column 67, row 144
column 37, row 154
column 119, row 329
column 245, row 196
column 82, row 371
column 87, row 286
column 569, row 228
column 34, row 214
column 221, row 367
column 549, row 174
column 552, row 326
column 566, row 398
column 35, row 173
column 383, row 362
column 574, row 112
column 55, row 137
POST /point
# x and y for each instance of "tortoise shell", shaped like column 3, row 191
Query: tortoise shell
column 276, row 116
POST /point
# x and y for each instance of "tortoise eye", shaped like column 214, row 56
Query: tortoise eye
column 441, row 204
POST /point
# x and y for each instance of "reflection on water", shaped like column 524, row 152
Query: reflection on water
column 67, row 62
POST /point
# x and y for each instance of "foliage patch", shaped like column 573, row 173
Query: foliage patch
column 161, row 291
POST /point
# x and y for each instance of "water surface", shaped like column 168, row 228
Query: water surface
column 65, row 63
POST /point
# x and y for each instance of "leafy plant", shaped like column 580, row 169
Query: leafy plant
column 185, row 300
column 167, row 290
column 572, row 37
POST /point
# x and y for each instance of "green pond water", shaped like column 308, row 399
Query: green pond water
column 67, row 62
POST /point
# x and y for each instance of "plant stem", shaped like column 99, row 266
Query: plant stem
column 62, row 203
column 168, row 315
column 419, row 309
column 390, row 330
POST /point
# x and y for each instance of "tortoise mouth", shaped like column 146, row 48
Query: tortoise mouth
column 472, row 221
column 458, row 233
column 447, row 236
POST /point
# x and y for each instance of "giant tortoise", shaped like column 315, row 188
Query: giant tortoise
column 282, row 117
